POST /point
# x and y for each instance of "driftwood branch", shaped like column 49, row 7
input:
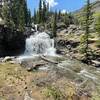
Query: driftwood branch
column 39, row 64
column 48, row 60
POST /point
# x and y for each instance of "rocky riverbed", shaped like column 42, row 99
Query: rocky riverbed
column 36, row 76
column 48, row 78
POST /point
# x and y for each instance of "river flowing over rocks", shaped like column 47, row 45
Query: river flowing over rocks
column 43, row 74
column 60, row 70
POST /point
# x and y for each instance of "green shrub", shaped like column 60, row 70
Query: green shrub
column 53, row 92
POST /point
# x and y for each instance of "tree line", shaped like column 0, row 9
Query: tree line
column 16, row 14
column 41, row 15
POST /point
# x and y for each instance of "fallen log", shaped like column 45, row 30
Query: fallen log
column 48, row 60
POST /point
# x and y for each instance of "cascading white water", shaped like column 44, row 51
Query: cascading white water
column 40, row 43
column 36, row 27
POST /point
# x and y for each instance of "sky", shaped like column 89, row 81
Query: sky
column 63, row 5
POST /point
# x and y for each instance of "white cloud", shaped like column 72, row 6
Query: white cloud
column 63, row 11
column 52, row 3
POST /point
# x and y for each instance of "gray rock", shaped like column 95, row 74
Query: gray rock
column 64, row 31
column 61, row 25
column 1, row 59
column 27, row 64
column 8, row 58
column 27, row 97
column 41, row 28
column 73, row 29
column 1, row 21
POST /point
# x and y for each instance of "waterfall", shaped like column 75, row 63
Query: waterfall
column 40, row 43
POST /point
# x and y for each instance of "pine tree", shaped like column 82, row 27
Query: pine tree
column 44, row 12
column 15, row 12
column 59, row 14
column 47, row 10
column 16, row 15
column 40, row 12
column 66, row 20
column 48, row 7
column 85, row 38
column 71, row 18
column 97, row 27
column 41, row 15
column 29, row 18
column 21, row 22
column 54, row 26
column 21, row 16
column 26, row 12
column 35, row 17
column 6, row 14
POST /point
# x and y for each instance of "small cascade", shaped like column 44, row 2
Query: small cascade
column 36, row 27
column 40, row 43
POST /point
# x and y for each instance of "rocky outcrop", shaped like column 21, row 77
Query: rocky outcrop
column 66, row 43
column 12, row 42
column 29, row 31
column 71, row 29
column 74, row 29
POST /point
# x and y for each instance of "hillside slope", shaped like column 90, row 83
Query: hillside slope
column 95, row 9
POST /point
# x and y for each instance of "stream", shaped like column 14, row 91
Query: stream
column 40, row 55
column 40, row 44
